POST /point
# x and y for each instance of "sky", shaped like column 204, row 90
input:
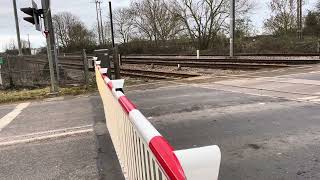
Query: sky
column 85, row 10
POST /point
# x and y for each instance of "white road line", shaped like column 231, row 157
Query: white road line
column 45, row 136
column 309, row 98
column 7, row 119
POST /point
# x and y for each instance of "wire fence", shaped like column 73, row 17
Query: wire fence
column 33, row 71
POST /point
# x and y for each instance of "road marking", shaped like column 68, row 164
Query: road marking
column 309, row 98
column 45, row 135
column 7, row 119
column 315, row 100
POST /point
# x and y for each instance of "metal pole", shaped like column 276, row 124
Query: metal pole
column 50, row 43
column 116, row 63
column 98, row 22
column 101, row 24
column 111, row 23
column 29, row 42
column 85, row 67
column 53, row 43
column 232, row 26
column 17, row 26
column 57, row 44
column 299, row 19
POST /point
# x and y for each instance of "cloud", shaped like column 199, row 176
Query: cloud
column 85, row 9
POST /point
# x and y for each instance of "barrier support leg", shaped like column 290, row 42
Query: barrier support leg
column 200, row 163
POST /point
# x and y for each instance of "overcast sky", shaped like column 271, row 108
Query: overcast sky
column 85, row 9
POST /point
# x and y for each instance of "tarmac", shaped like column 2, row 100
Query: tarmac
column 266, row 124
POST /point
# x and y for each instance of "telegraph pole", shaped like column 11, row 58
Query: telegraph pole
column 29, row 44
column 50, row 43
column 98, row 22
column 101, row 23
column 232, row 26
column 111, row 24
column 17, row 26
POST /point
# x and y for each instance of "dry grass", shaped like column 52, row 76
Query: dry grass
column 8, row 96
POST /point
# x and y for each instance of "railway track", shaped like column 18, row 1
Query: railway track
column 129, row 72
column 243, row 62
column 213, row 65
column 286, row 60
column 155, row 74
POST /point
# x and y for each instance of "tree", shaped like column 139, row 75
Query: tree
column 283, row 17
column 205, row 19
column 244, row 27
column 312, row 24
column 71, row 32
column 154, row 20
column 124, row 24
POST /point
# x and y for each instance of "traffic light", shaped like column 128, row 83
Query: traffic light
column 34, row 15
column 31, row 12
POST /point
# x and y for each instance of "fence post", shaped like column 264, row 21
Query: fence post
column 106, row 58
column 116, row 62
column 85, row 67
column 11, row 84
column 120, row 59
column 318, row 47
column 1, row 82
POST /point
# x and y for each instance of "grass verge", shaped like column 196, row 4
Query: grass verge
column 9, row 96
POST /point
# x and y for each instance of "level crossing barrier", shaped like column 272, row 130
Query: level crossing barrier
column 142, row 152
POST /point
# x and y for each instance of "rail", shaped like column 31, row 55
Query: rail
column 142, row 152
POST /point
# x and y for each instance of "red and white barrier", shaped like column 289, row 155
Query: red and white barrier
column 142, row 151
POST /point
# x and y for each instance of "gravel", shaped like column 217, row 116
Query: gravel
column 185, row 70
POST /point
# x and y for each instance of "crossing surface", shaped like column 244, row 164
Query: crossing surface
column 266, row 124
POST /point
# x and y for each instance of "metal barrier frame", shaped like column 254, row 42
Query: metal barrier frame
column 142, row 152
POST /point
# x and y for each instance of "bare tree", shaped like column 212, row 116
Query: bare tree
column 106, row 30
column 154, row 20
column 204, row 19
column 283, row 17
column 11, row 45
column 72, row 33
column 124, row 24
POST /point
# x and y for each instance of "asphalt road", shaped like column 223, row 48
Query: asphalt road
column 59, row 138
column 267, row 128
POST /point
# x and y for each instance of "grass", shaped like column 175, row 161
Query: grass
column 15, row 95
column 9, row 96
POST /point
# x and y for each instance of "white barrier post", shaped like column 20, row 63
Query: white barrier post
column 200, row 163
column 198, row 54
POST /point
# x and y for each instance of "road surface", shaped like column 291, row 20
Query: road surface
column 266, row 124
